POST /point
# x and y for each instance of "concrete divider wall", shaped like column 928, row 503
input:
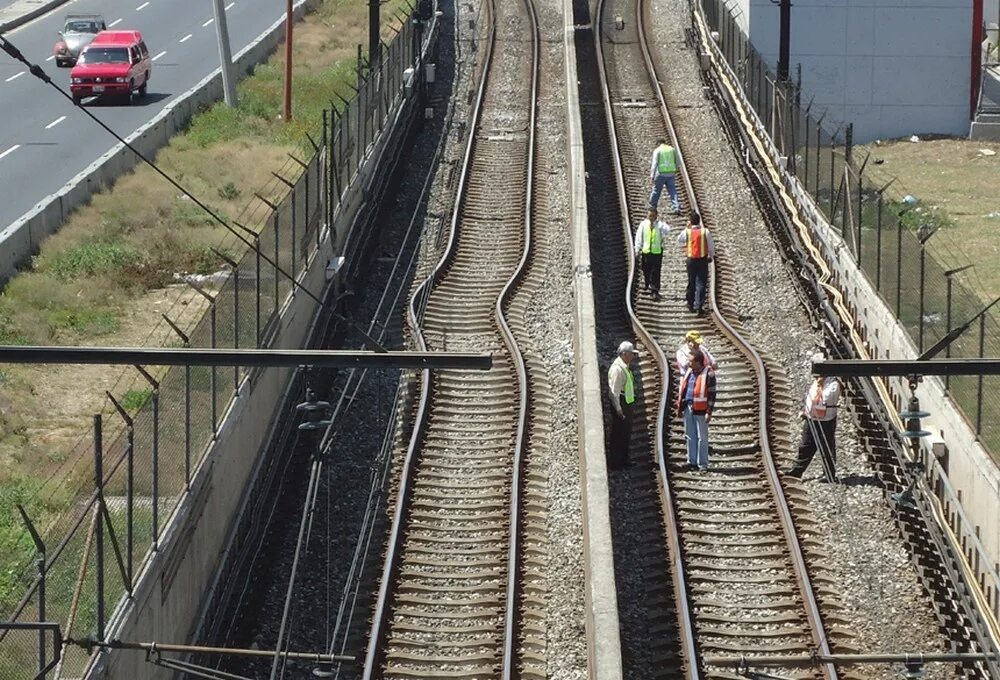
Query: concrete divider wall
column 176, row 583
column 21, row 240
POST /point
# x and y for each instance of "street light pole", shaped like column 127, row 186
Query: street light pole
column 225, row 53
column 289, row 22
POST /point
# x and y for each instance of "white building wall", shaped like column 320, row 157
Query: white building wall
column 892, row 67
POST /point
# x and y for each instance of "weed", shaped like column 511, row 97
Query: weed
column 229, row 191
column 87, row 322
column 134, row 400
column 92, row 257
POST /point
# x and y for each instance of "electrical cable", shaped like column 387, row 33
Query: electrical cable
column 39, row 73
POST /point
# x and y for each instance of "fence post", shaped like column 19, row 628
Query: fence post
column 40, row 570
column 129, row 481
column 878, row 246
column 899, row 263
column 979, row 387
column 155, row 384
column 947, row 322
column 923, row 269
column 187, row 405
column 99, row 525
column 211, row 310
column 325, row 173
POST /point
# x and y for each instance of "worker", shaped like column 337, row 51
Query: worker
column 649, row 239
column 699, row 248
column 621, row 387
column 692, row 341
column 695, row 401
column 662, row 171
column 819, row 425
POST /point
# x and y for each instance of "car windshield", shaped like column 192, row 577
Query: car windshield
column 104, row 55
column 81, row 27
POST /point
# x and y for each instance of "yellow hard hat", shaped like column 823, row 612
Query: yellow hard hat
column 693, row 336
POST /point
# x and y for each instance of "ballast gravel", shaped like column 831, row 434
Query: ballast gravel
column 888, row 608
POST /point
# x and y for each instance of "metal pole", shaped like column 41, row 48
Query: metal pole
column 156, row 467
column 784, row 37
column 256, row 247
column 923, row 266
column 979, row 387
column 99, row 526
column 878, row 247
column 947, row 317
column 40, row 568
column 374, row 44
column 289, row 21
column 225, row 53
column 899, row 265
column 215, row 427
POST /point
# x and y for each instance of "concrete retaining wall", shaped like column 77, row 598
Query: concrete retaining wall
column 21, row 240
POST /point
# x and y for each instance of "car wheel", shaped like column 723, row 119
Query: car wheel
column 131, row 90
column 77, row 99
column 144, row 87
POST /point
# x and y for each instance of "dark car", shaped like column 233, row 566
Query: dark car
column 78, row 31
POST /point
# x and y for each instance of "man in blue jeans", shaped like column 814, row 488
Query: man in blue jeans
column 695, row 401
column 662, row 171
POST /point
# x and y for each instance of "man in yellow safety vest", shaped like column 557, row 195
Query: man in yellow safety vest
column 699, row 248
column 662, row 171
column 621, row 390
column 649, row 238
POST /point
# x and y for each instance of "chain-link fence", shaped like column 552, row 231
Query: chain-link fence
column 120, row 486
column 887, row 231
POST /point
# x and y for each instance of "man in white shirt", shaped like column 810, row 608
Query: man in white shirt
column 621, row 391
column 649, row 238
column 692, row 341
column 662, row 171
column 819, row 425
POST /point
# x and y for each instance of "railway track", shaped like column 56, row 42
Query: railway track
column 740, row 579
column 450, row 598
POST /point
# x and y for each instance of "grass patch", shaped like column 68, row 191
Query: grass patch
column 955, row 184
column 133, row 400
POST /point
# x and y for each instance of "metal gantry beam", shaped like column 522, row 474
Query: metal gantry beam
column 28, row 354
column 906, row 367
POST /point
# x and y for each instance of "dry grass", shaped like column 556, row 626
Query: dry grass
column 956, row 178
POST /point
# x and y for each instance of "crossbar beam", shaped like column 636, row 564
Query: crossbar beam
column 27, row 354
column 906, row 367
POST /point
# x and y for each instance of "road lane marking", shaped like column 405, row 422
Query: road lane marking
column 114, row 23
column 16, row 75
column 55, row 122
column 159, row 55
column 51, row 58
column 186, row 38
column 207, row 23
column 141, row 7
column 10, row 150
column 230, row 6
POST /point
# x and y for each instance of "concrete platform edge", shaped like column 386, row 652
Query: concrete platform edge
column 603, row 638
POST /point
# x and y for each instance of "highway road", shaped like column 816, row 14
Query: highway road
column 45, row 141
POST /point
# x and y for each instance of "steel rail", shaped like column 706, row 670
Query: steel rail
column 812, row 608
column 415, row 314
column 686, row 627
column 841, row 325
column 380, row 617
column 678, row 571
column 514, row 551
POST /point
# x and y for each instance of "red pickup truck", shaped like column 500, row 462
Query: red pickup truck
column 115, row 63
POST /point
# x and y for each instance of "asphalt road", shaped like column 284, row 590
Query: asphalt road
column 45, row 141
